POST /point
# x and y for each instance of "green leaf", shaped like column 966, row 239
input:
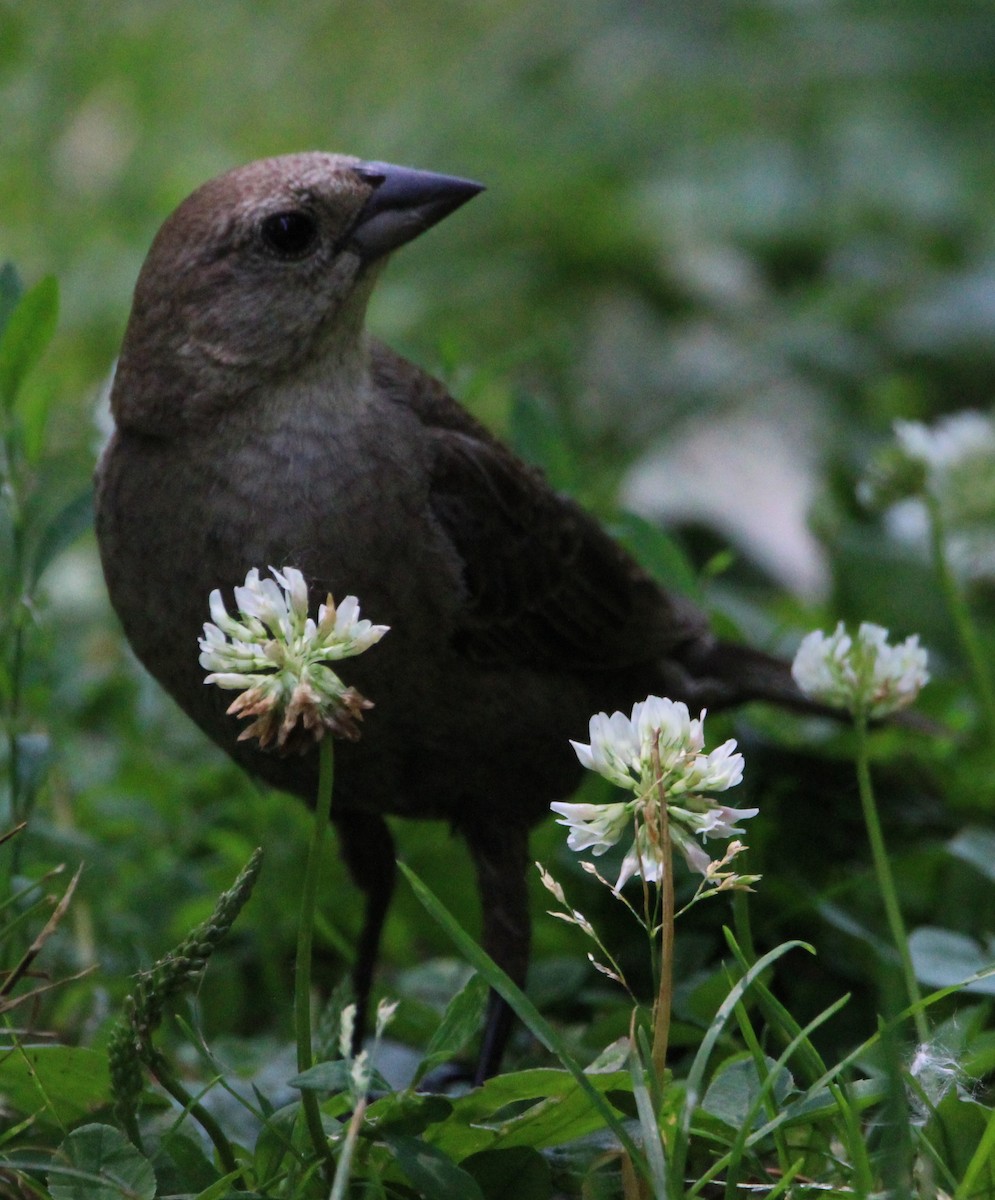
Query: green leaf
column 101, row 1164
column 561, row 1111
column 537, row 435
column 659, row 554
column 432, row 1172
column 68, row 524
column 459, row 1023
column 32, row 409
column 25, row 336
column 275, row 1142
column 182, row 1166
column 333, row 1077
column 525, row 1010
column 942, row 957
column 410, row 1113
column 11, row 291
column 60, row 1085
column 518, row 1173
column 732, row 1094
column 696, row 1075
column 977, row 847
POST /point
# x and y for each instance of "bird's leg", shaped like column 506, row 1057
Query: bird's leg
column 500, row 854
column 368, row 850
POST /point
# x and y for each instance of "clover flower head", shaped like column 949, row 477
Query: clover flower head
column 951, row 443
column 940, row 476
column 657, row 751
column 863, row 675
column 274, row 654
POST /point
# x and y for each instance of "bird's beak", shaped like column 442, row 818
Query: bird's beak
column 403, row 204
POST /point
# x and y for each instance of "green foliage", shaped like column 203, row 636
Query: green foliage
column 130, row 1046
column 693, row 213
column 58, row 1085
column 96, row 1162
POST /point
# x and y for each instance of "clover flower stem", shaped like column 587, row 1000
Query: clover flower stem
column 664, row 998
column 886, row 881
column 305, row 937
column 960, row 614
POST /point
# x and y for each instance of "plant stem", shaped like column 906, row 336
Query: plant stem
column 961, row 616
column 305, row 939
column 886, row 881
column 341, row 1181
column 169, row 1083
column 662, row 1007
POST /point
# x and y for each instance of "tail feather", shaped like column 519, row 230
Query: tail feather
column 723, row 674
column 719, row 674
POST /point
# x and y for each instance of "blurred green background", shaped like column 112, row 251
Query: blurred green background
column 724, row 244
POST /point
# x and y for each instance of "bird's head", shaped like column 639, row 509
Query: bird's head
column 262, row 271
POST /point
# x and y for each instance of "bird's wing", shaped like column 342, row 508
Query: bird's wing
column 544, row 583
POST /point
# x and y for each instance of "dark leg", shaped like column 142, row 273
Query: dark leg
column 368, row 851
column 501, row 856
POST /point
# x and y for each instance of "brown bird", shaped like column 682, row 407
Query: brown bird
column 258, row 424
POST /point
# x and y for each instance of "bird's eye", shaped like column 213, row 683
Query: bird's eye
column 290, row 234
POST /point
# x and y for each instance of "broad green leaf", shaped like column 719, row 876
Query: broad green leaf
column 332, row 1077
column 408, row 1112
column 967, row 1129
column 101, row 1164
column 34, row 757
column 32, row 409
column 518, row 1173
column 182, row 1166
column 275, row 1140
column 977, row 847
column 225, row 1188
column 68, row 524
column 11, row 291
column 560, row 1119
column 942, row 957
column 561, row 1111
column 432, row 1172
column 59, row 1084
column 538, row 437
column 732, row 1094
column 658, row 553
column 25, row 336
column 460, row 1022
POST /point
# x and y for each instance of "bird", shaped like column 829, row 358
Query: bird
column 258, row 423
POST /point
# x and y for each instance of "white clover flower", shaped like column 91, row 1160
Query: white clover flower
column 273, row 653
column 867, row 675
column 949, row 468
column 658, row 750
column 949, row 444
column 594, row 827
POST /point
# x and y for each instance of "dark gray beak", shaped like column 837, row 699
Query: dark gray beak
column 403, row 204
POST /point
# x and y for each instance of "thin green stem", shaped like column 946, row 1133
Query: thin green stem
column 886, row 881
column 15, row 665
column 664, row 998
column 305, row 941
column 961, row 616
column 169, row 1083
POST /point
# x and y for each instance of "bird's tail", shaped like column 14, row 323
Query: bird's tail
column 717, row 674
